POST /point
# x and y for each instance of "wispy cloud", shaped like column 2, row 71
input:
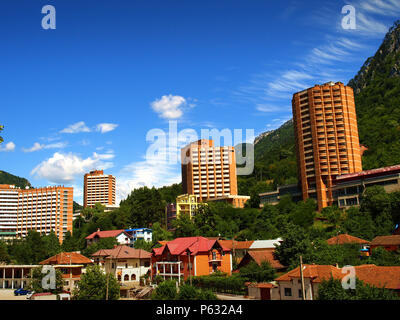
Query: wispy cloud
column 76, row 128
column 37, row 146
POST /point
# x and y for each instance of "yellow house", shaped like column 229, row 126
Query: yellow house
column 186, row 203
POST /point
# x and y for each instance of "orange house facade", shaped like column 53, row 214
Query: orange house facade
column 193, row 256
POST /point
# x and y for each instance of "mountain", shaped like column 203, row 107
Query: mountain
column 8, row 178
column 377, row 97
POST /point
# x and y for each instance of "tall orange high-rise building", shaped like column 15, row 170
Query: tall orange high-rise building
column 327, row 143
column 208, row 171
column 44, row 210
column 98, row 188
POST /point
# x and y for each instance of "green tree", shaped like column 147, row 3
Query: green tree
column 258, row 273
column 4, row 256
column 103, row 243
column 184, row 226
column 254, row 201
column 70, row 243
column 160, row 234
column 94, row 283
column 52, row 244
column 381, row 257
column 144, row 207
column 166, row 290
column 37, row 277
column 332, row 290
column 296, row 242
column 303, row 213
column 142, row 244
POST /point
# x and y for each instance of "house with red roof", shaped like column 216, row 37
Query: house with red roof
column 120, row 235
column 259, row 256
column 71, row 264
column 343, row 239
column 390, row 243
column 192, row 256
column 346, row 238
column 126, row 263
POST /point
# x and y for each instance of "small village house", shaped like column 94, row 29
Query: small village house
column 126, row 263
column 71, row 264
column 192, row 256
column 121, row 236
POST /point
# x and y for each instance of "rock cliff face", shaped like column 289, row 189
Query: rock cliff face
column 386, row 61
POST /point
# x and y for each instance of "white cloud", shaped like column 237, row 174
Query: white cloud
column 10, row 146
column 37, row 146
column 148, row 173
column 106, row 127
column 65, row 168
column 76, row 128
column 169, row 107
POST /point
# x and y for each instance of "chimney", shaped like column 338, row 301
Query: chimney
column 98, row 229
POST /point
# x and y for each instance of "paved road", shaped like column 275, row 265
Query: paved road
column 8, row 294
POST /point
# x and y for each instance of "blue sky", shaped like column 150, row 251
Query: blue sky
column 85, row 95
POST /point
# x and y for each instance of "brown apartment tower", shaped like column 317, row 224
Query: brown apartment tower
column 327, row 143
column 208, row 171
column 98, row 188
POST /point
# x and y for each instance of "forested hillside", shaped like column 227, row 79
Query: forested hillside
column 377, row 95
column 8, row 178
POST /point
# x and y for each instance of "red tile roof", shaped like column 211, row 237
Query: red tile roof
column 265, row 255
column 107, row 234
column 388, row 277
column 367, row 173
column 260, row 285
column 122, row 252
column 237, row 245
column 317, row 273
column 393, row 240
column 67, row 258
column 193, row 244
column 345, row 238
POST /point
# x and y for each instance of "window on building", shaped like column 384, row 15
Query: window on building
column 300, row 293
column 288, row 292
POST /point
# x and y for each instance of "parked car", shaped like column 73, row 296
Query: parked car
column 21, row 292
column 30, row 294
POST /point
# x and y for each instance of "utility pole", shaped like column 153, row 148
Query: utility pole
column 190, row 269
column 107, row 280
column 302, row 279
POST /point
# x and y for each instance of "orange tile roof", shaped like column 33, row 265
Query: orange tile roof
column 266, row 255
column 260, row 285
column 237, row 245
column 67, row 258
column 346, row 238
column 393, row 240
column 122, row 252
column 388, row 277
column 317, row 273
